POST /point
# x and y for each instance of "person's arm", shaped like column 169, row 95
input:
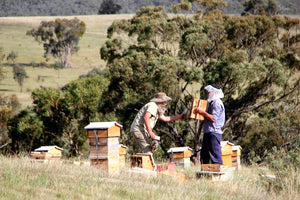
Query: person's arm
column 205, row 114
column 172, row 118
column 147, row 123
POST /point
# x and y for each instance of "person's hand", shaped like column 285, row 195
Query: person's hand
column 182, row 116
column 199, row 110
column 152, row 136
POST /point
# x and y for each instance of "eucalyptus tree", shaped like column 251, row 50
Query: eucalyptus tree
column 253, row 58
column 60, row 38
column 19, row 75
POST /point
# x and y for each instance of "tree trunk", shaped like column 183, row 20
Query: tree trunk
column 67, row 54
column 197, row 144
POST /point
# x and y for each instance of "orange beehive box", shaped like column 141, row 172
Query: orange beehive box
column 103, row 129
column 180, row 152
column 214, row 168
column 144, row 161
column 122, row 153
column 47, row 152
column 106, row 166
column 236, row 154
column 226, row 151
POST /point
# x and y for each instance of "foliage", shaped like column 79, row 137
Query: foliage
column 59, row 38
column 284, row 163
column 19, row 75
column 12, row 56
column 261, row 7
column 109, row 7
column 25, row 132
column 65, row 113
column 9, row 106
column 242, row 54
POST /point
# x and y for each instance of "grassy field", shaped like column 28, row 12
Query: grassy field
column 13, row 38
column 22, row 179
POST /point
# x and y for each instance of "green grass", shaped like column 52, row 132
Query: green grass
column 22, row 179
column 13, row 38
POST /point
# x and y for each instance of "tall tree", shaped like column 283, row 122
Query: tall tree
column 181, row 55
column 60, row 38
column 19, row 75
column 255, row 7
column 109, row 7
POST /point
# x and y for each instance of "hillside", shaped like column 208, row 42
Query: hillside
column 91, row 7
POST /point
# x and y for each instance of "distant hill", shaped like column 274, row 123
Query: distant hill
column 91, row 7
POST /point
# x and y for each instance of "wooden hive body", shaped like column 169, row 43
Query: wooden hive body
column 144, row 161
column 180, row 156
column 122, row 153
column 226, row 151
column 236, row 154
column 47, row 152
column 104, row 145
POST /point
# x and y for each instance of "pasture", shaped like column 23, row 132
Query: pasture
column 23, row 179
column 13, row 38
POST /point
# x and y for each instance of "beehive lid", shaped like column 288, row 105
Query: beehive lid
column 179, row 149
column 236, row 147
column 223, row 143
column 47, row 148
column 122, row 145
column 102, row 125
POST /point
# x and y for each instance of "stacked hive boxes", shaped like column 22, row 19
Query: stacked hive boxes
column 104, row 145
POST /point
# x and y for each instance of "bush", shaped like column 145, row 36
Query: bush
column 285, row 165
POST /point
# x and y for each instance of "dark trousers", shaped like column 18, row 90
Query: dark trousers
column 211, row 148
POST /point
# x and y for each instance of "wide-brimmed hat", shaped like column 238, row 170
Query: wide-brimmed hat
column 161, row 97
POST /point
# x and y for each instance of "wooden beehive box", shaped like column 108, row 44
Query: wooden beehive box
column 226, row 151
column 104, row 148
column 180, row 156
column 144, row 161
column 47, row 152
column 103, row 129
column 236, row 154
column 214, row 168
column 106, row 165
column 122, row 153
column 104, row 145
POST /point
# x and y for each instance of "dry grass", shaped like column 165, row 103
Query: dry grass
column 22, row 179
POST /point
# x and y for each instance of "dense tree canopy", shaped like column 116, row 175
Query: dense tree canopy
column 257, row 68
column 58, row 117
